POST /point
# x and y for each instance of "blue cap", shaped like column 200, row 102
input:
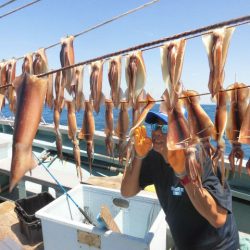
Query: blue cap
column 154, row 117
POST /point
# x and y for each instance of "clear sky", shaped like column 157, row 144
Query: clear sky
column 44, row 23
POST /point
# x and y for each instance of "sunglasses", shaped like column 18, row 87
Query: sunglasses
column 164, row 127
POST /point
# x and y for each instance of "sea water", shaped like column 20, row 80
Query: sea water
column 100, row 121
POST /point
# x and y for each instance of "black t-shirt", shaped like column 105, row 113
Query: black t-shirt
column 189, row 229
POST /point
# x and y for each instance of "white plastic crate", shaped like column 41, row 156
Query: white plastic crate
column 142, row 224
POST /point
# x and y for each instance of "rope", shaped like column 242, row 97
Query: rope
column 187, row 35
column 4, row 4
column 17, row 9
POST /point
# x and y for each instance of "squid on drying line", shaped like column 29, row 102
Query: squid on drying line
column 40, row 63
column 244, row 136
column 122, row 129
column 10, row 76
column 67, row 58
column 72, row 130
column 172, row 57
column 58, row 105
column 109, row 127
column 135, row 76
column 200, row 125
column 27, row 65
column 238, row 107
column 49, row 99
column 216, row 45
column 87, row 131
column 114, row 77
column 220, row 126
column 40, row 66
column 3, row 81
column 96, row 85
column 78, row 83
column 30, row 98
column 141, row 102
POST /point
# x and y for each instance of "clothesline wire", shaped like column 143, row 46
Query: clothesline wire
column 19, row 8
column 102, row 24
column 7, row 3
column 181, row 97
column 187, row 35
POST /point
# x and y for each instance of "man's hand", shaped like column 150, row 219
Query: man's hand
column 176, row 158
column 142, row 143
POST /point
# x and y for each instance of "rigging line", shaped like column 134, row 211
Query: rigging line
column 231, row 22
column 4, row 4
column 198, row 35
column 184, row 97
column 19, row 8
column 103, row 23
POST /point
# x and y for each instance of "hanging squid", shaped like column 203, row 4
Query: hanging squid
column 216, row 45
column 72, row 130
column 88, row 130
column 58, row 105
column 172, row 57
column 135, row 76
column 121, row 130
column 220, row 126
column 238, row 107
column 40, row 63
column 244, row 136
column 78, row 82
column 114, row 77
column 3, row 81
column 10, row 76
column 96, row 85
column 109, row 127
column 27, row 65
column 67, row 58
column 30, row 98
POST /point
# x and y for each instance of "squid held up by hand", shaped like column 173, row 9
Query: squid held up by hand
column 238, row 107
column 114, row 77
column 216, row 45
column 30, row 98
column 200, row 125
column 148, row 104
column 179, row 137
column 135, row 76
column 87, row 131
column 96, row 85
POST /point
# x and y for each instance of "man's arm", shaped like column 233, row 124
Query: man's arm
column 130, row 181
column 206, row 205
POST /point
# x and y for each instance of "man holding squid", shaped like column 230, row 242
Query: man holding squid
column 198, row 217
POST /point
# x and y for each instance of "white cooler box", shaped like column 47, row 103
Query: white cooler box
column 142, row 223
